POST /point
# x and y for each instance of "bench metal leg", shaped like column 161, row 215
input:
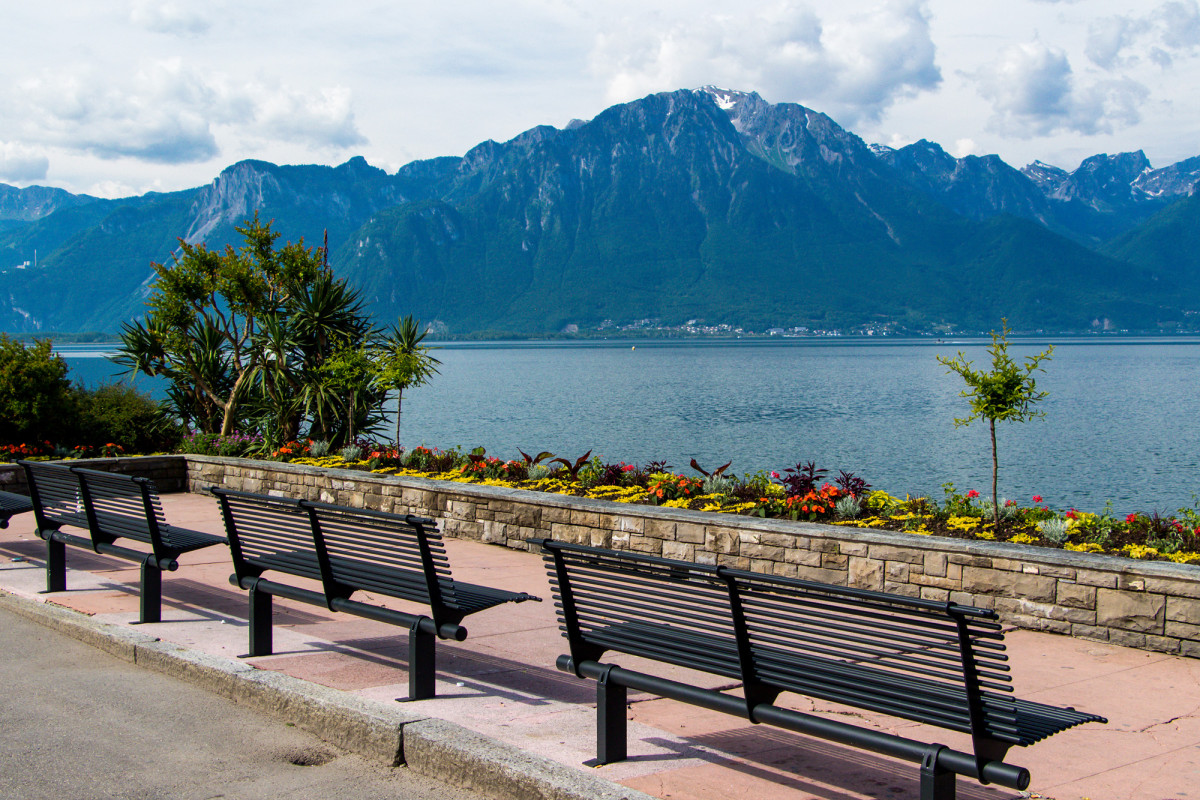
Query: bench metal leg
column 937, row 782
column 422, row 663
column 56, row 566
column 151, row 607
column 260, row 623
column 611, row 720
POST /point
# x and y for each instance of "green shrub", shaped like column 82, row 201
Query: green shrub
column 117, row 413
column 35, row 395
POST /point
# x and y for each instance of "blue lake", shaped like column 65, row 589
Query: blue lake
column 1121, row 419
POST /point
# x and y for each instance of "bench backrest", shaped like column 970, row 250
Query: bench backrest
column 939, row 663
column 268, row 533
column 397, row 556
column 346, row 549
column 54, row 490
column 122, row 506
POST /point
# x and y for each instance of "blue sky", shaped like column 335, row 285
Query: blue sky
column 130, row 96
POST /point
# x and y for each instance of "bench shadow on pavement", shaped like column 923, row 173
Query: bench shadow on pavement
column 786, row 759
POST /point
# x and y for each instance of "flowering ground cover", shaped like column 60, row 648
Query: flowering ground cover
column 802, row 492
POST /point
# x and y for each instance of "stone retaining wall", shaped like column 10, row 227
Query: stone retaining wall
column 169, row 473
column 1149, row 605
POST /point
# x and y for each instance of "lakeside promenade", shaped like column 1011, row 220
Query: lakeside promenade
column 509, row 724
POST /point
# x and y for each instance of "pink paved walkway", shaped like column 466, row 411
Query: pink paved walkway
column 502, row 683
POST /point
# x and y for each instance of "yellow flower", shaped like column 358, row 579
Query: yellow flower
column 1086, row 547
column 1024, row 538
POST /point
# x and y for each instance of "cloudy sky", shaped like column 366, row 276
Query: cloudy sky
column 128, row 96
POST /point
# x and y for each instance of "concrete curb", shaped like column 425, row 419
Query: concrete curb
column 433, row 747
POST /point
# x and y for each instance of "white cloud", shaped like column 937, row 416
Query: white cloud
column 168, row 113
column 1033, row 92
column 171, row 16
column 21, row 164
column 853, row 67
column 1160, row 36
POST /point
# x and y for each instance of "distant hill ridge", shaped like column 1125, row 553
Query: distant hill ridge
column 705, row 204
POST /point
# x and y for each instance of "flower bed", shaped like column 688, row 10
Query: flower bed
column 800, row 493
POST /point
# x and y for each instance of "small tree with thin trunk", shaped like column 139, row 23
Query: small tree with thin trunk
column 1005, row 394
column 404, row 361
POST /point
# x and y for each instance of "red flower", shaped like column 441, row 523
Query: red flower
column 972, row 493
column 1037, row 498
column 1132, row 518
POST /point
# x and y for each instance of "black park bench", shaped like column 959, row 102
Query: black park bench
column 351, row 550
column 11, row 505
column 112, row 509
column 941, row 664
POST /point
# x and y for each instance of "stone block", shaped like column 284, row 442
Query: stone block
column 898, row 571
column 934, row 594
column 660, row 529
column 803, row 558
column 721, row 541
column 935, row 582
column 1182, row 630
column 628, row 525
column 1074, row 595
column 935, row 564
column 1132, row 583
column 1162, row 644
column 902, row 589
column 834, row 561
column 1130, row 611
column 575, row 534
column 762, row 552
column 854, row 548
column 646, row 544
column 885, row 552
column 1102, row 580
column 1092, row 632
column 600, row 537
column 1183, row 609
column 689, row 532
column 1047, row 611
column 1177, row 588
column 587, row 519
column 965, row 560
column 833, row 576
column 679, row 550
column 551, row 514
column 1037, row 588
column 865, row 573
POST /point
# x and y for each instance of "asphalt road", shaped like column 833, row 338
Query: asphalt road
column 78, row 724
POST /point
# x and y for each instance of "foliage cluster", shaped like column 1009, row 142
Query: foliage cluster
column 799, row 493
column 45, row 414
column 266, row 339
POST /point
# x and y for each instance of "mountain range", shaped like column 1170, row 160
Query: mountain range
column 701, row 206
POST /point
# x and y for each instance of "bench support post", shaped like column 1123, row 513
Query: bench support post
column 260, row 623
column 611, row 720
column 56, row 565
column 422, row 663
column 151, row 606
column 937, row 782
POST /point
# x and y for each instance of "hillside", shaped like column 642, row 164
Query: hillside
column 690, row 205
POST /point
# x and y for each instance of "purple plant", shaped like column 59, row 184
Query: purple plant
column 851, row 484
column 802, row 479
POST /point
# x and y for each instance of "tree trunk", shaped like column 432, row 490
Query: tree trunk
column 995, row 474
column 399, row 398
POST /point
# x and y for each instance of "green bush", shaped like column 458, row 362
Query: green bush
column 117, row 413
column 35, row 395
